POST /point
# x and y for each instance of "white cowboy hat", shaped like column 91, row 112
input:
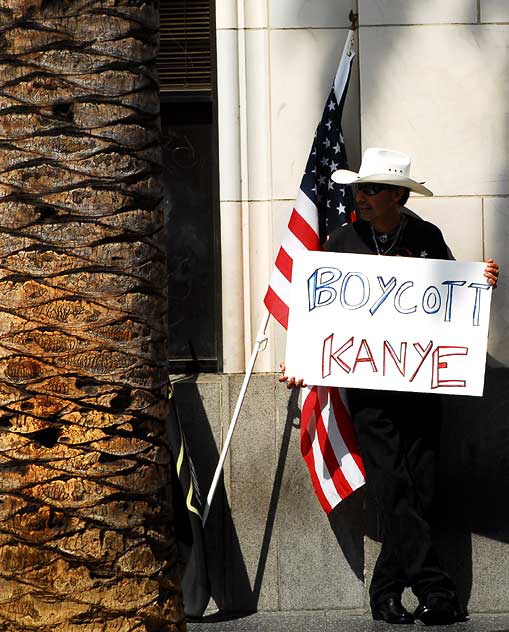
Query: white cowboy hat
column 384, row 166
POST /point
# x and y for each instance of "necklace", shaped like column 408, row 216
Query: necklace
column 384, row 238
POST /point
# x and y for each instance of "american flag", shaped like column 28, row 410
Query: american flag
column 328, row 442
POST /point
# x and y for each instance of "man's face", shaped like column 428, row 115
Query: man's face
column 379, row 206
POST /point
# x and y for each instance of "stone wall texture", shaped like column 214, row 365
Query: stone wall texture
column 430, row 78
column 271, row 547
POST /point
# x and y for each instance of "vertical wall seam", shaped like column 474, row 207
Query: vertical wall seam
column 482, row 230
column 229, row 120
column 359, row 87
column 271, row 347
column 244, row 177
column 277, row 423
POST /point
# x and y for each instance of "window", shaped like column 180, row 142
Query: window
column 190, row 174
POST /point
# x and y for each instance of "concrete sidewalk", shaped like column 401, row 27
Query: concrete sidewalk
column 330, row 621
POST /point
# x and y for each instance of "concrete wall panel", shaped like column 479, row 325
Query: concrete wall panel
column 490, row 585
column 494, row 11
column 496, row 236
column 303, row 66
column 228, row 115
column 309, row 553
column 459, row 219
column 440, row 94
column 226, row 14
column 258, row 115
column 416, row 11
column 310, row 13
column 232, row 287
column 255, row 14
column 252, row 475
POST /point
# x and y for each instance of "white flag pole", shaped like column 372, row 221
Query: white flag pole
column 260, row 339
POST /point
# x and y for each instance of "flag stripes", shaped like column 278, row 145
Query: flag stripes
column 352, row 462
column 328, row 442
column 284, row 264
column 278, row 308
column 310, row 449
column 303, row 231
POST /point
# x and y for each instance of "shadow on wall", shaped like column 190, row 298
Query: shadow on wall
column 474, row 468
column 229, row 582
column 473, row 485
column 475, row 475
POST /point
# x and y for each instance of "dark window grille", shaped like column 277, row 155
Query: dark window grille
column 185, row 56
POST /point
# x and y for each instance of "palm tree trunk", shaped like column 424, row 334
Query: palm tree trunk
column 86, row 540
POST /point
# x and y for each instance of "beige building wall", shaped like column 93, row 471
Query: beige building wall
column 276, row 64
column 434, row 84
column 430, row 79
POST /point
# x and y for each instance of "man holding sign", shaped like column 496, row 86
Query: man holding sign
column 398, row 430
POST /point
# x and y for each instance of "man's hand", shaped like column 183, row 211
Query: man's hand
column 291, row 382
column 491, row 272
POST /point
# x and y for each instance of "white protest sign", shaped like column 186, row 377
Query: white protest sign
column 391, row 323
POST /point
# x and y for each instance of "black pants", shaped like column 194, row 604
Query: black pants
column 398, row 436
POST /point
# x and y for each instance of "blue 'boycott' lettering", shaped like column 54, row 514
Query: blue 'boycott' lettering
column 320, row 292
column 355, row 292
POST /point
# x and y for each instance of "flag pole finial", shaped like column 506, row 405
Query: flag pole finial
column 354, row 20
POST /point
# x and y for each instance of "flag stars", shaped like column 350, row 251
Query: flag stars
column 326, row 142
column 337, row 148
column 329, row 124
column 334, row 165
column 321, row 180
column 340, row 208
column 330, row 185
column 325, row 162
column 332, row 106
column 328, row 203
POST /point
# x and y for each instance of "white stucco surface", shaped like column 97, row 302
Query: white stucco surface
column 417, row 11
column 310, row 13
column 435, row 86
column 440, row 94
column 303, row 66
column 494, row 11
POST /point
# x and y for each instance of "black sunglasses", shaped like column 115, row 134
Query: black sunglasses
column 371, row 188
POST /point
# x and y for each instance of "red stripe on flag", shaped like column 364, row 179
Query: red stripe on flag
column 342, row 486
column 277, row 307
column 284, row 263
column 346, row 428
column 306, row 447
column 303, row 231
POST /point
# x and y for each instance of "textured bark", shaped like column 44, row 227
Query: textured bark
column 86, row 543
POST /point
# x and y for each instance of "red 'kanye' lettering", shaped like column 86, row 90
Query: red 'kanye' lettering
column 408, row 365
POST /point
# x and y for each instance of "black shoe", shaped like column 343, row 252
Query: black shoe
column 391, row 610
column 437, row 609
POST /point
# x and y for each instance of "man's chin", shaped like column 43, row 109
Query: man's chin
column 365, row 214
